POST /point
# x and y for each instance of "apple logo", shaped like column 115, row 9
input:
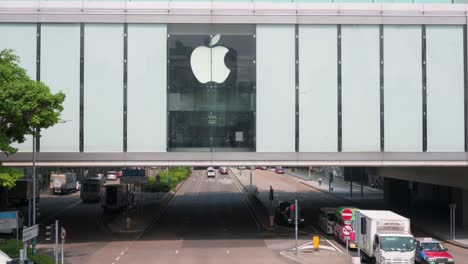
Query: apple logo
column 208, row 62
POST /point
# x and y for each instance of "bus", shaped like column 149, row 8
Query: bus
column 90, row 190
column 339, row 223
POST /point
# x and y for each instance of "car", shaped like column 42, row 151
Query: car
column 210, row 172
column 241, row 168
column 285, row 213
column 251, row 167
column 223, row 170
column 326, row 219
column 262, row 167
column 119, row 174
column 431, row 251
column 111, row 176
column 279, row 170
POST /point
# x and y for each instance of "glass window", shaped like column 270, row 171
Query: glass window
column 211, row 79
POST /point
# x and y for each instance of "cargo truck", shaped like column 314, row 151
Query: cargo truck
column 62, row 182
column 384, row 237
column 114, row 197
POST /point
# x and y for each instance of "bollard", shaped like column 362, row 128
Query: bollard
column 128, row 222
column 316, row 242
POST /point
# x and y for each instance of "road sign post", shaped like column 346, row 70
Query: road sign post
column 296, row 209
column 56, row 241
column 347, row 214
column 346, row 231
column 63, row 235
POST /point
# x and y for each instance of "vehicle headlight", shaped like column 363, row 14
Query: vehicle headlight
column 430, row 259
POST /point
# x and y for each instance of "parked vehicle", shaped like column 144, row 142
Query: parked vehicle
column 111, row 176
column 62, row 182
column 251, row 167
column 223, row 170
column 119, row 174
column 279, row 170
column 90, row 190
column 339, row 223
column 384, row 237
column 210, row 172
column 114, row 197
column 241, row 168
column 22, row 192
column 429, row 250
column 262, row 167
column 285, row 213
column 326, row 219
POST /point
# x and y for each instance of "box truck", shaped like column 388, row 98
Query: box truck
column 62, row 182
column 384, row 237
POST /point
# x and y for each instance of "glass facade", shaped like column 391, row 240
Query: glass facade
column 211, row 87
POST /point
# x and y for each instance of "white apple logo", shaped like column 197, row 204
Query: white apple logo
column 208, row 62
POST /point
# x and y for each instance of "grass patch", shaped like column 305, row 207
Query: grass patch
column 168, row 179
column 9, row 247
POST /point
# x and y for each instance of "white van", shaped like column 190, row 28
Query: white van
column 210, row 172
column 326, row 219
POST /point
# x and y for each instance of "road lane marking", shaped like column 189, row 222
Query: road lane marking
column 177, row 251
column 228, row 251
column 121, row 253
column 245, row 201
column 117, row 259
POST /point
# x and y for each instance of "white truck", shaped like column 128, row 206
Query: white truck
column 62, row 182
column 384, row 237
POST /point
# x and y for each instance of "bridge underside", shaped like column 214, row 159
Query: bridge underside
column 368, row 159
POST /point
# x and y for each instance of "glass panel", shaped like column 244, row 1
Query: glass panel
column 22, row 39
column 318, row 110
column 403, row 88
column 211, row 106
column 147, row 88
column 103, row 88
column 360, row 88
column 276, row 100
column 60, row 70
column 445, row 88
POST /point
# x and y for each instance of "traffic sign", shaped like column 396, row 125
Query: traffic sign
column 63, row 233
column 347, row 230
column 347, row 214
column 30, row 232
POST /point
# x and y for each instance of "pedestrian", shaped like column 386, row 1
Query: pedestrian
column 320, row 181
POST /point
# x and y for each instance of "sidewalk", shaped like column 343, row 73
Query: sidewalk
column 431, row 222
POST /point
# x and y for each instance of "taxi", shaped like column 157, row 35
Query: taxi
column 431, row 251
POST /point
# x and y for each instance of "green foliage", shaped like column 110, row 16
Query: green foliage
column 9, row 247
column 27, row 106
column 8, row 177
column 168, row 179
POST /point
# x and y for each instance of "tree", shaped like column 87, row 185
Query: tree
column 26, row 107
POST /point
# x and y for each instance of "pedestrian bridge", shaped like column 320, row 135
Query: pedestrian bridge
column 245, row 84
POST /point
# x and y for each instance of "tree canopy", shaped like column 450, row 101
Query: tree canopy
column 26, row 107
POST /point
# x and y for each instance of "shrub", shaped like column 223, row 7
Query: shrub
column 169, row 179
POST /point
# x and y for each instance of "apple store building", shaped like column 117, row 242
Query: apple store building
column 249, row 77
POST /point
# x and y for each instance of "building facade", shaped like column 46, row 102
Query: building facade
column 298, row 82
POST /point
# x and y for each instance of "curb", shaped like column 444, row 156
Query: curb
column 354, row 185
column 247, row 198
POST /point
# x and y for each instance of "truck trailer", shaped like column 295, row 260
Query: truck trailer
column 114, row 197
column 384, row 237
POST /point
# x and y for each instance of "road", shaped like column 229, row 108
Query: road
column 207, row 221
column 288, row 188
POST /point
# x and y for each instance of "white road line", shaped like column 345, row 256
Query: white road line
column 121, row 253
column 117, row 259
column 228, row 251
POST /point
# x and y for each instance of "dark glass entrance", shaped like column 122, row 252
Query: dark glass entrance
column 211, row 93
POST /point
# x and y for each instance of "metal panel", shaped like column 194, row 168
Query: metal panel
column 318, row 88
column 403, row 93
column 445, row 88
column 275, row 88
column 60, row 66
column 360, row 88
column 147, row 90
column 103, row 96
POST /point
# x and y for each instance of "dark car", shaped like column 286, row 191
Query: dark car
column 430, row 251
column 279, row 170
column 262, row 167
column 285, row 214
column 223, row 170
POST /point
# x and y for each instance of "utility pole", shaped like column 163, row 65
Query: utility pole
column 34, row 193
column 296, row 212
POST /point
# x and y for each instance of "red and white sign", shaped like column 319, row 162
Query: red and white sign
column 63, row 233
column 347, row 230
column 347, row 214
